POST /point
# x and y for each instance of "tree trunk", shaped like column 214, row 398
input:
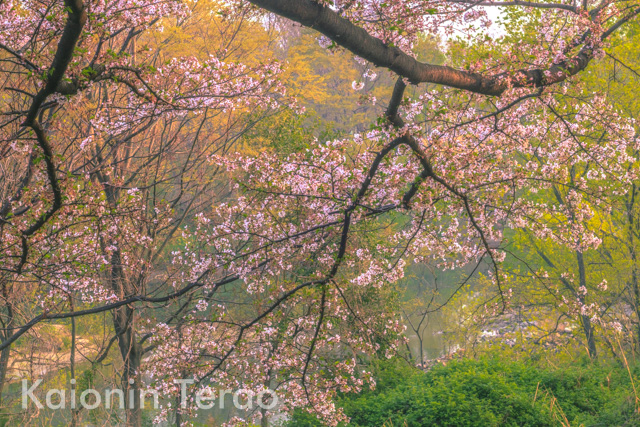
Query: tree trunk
column 130, row 349
column 636, row 296
column 634, row 264
column 587, row 327
column 72, row 364
column 8, row 322
column 4, row 365
column 131, row 353
column 591, row 341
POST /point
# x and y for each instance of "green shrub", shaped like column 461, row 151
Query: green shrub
column 490, row 393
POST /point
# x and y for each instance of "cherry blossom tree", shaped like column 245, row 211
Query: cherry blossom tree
column 279, row 279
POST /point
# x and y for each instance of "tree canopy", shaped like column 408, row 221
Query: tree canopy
column 233, row 191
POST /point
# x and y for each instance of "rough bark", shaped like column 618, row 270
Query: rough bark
column 631, row 244
column 7, row 325
column 130, row 349
column 360, row 42
column 587, row 327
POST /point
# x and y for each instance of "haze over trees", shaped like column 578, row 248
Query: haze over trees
column 278, row 194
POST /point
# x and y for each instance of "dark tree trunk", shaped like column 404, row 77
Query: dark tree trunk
column 587, row 327
column 7, row 324
column 124, row 319
column 631, row 244
column 131, row 353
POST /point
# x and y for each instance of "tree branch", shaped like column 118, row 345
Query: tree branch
column 356, row 39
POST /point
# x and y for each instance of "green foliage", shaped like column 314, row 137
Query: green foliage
column 284, row 133
column 491, row 392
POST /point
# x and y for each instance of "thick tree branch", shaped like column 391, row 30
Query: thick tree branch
column 76, row 19
column 354, row 38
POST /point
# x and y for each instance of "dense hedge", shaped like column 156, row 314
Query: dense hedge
column 492, row 393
